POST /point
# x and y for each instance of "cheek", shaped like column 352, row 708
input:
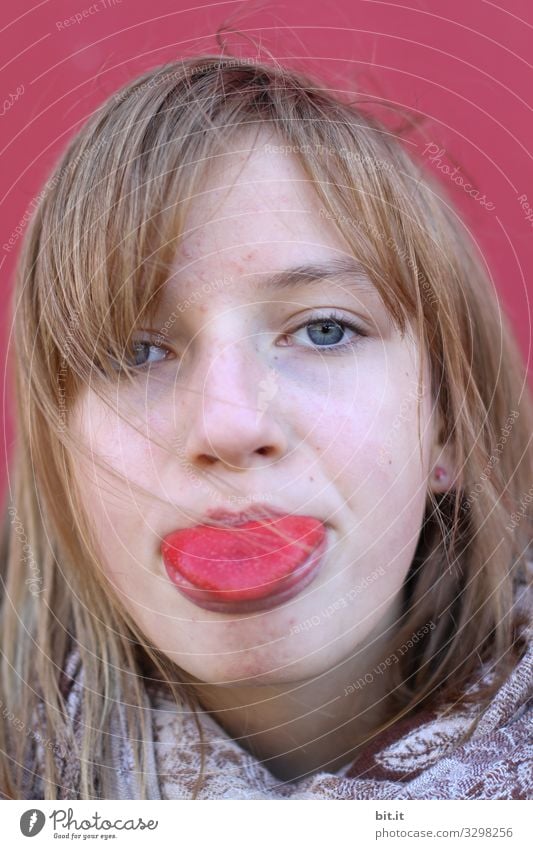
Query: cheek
column 367, row 446
column 134, row 449
column 117, row 480
column 368, row 430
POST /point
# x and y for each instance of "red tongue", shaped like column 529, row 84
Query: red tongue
column 253, row 560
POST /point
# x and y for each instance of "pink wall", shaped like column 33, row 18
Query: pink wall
column 466, row 66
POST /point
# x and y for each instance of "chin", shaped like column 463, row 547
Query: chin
column 253, row 669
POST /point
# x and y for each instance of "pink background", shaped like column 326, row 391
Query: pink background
column 464, row 64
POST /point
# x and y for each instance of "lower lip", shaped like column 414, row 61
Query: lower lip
column 294, row 584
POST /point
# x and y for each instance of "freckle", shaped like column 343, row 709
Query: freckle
column 311, row 478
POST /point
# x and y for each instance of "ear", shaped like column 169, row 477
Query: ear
column 442, row 469
column 442, row 473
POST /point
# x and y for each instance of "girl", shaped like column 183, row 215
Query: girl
column 269, row 512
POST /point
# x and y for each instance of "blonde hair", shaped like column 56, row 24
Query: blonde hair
column 111, row 217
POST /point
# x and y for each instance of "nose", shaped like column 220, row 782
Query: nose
column 230, row 411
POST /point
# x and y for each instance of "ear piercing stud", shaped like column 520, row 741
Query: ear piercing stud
column 439, row 473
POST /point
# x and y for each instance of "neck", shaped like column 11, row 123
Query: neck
column 300, row 728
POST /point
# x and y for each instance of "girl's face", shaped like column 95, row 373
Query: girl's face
column 246, row 383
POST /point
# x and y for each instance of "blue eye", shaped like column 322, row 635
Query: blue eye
column 328, row 331
column 146, row 353
column 142, row 353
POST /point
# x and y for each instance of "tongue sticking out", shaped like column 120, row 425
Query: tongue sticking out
column 250, row 561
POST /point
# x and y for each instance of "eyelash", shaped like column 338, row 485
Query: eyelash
column 331, row 316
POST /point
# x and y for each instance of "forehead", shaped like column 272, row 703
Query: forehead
column 254, row 203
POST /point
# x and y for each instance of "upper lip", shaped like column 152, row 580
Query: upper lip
column 238, row 517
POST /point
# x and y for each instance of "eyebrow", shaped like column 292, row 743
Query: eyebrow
column 314, row 274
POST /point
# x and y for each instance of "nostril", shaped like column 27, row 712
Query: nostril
column 265, row 451
column 208, row 460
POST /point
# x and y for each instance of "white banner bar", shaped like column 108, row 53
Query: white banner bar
column 269, row 825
